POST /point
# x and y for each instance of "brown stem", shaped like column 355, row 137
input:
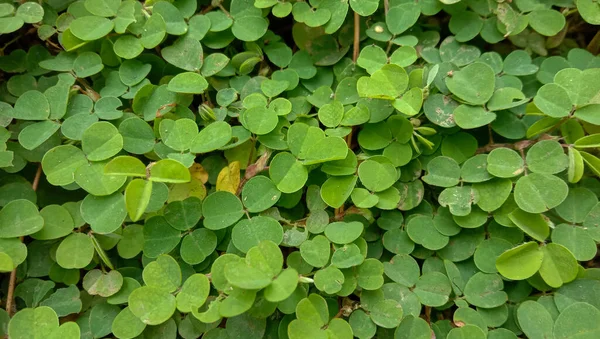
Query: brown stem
column 356, row 50
column 518, row 146
column 13, row 274
column 428, row 314
column 386, row 6
column 224, row 10
column 36, row 180
column 207, row 9
column 594, row 45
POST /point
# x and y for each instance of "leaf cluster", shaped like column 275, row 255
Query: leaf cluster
column 299, row 169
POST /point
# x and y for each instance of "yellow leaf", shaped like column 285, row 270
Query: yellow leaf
column 229, row 178
column 198, row 172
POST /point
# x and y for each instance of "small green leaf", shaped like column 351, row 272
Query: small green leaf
column 170, row 171
column 520, row 262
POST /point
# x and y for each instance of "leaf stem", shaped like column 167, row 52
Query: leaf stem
column 225, row 11
column 9, row 43
column 594, row 45
column 13, row 274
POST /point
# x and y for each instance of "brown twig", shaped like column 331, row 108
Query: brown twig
column 386, row 6
column 36, row 180
column 13, row 274
column 594, row 45
column 518, row 146
column 224, row 10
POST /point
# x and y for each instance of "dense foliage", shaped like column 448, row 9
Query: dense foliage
column 300, row 169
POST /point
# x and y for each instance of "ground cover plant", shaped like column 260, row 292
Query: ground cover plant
column 299, row 169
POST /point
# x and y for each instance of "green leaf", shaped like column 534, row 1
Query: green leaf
column 546, row 21
column 259, row 193
column 103, row 284
column 184, row 214
column 537, row 193
column 163, row 273
column 154, row 31
column 473, row 84
column 19, row 218
column 370, row 274
column 188, row 82
column 104, row 214
column 329, row 280
column 553, row 100
column 101, row 141
column 413, row 327
column 331, row 114
column 485, row 290
column 559, row 266
column 105, row 8
column 89, row 28
column 221, row 209
column 151, row 305
column 35, row 134
column 402, row 269
column 14, row 250
column 546, row 156
column 30, row 12
column 422, row 231
column 193, row 293
column 577, row 318
column 336, row 190
column 170, row 171
column 197, row 246
column 343, row 232
column 91, row 177
column 282, row 286
column 469, row 117
column 401, row 17
column 64, row 301
column 535, row 225
column 433, row 289
column 57, row 223
column 287, row 173
column 389, row 82
column 535, row 320
column 377, row 176
column 467, row 331
column 442, row 172
column 263, row 262
column 260, row 120
column 126, row 166
column 31, row 105
column 127, row 325
column 184, row 53
column 159, row 237
column 173, row 18
column 33, row 323
column 248, row 233
column 316, row 251
column 75, row 251
column 178, row 134
column 212, row 137
column 364, row 8
column 386, row 313
column 520, row 262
